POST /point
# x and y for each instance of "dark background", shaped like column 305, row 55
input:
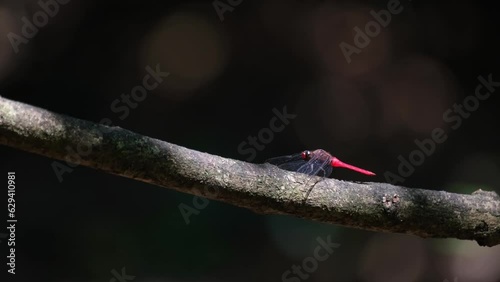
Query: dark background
column 226, row 77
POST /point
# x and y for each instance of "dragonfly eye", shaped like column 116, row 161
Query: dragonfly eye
column 306, row 155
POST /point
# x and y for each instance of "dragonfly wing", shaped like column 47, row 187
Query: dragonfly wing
column 316, row 166
column 292, row 165
column 319, row 164
column 325, row 171
column 285, row 159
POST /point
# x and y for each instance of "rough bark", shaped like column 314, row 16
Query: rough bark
column 259, row 187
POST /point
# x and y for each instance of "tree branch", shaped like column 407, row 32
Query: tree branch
column 259, row 187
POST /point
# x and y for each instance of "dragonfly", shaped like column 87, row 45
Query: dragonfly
column 318, row 162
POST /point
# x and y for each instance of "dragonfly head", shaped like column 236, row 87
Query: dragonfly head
column 306, row 155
